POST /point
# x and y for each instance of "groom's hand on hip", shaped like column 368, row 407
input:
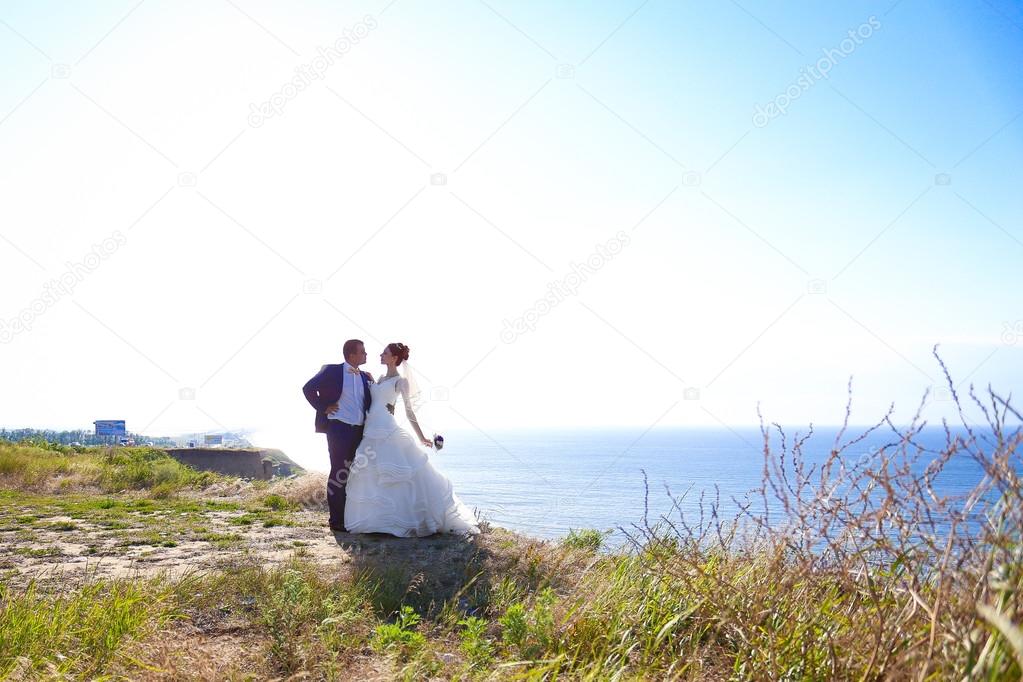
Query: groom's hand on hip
column 331, row 409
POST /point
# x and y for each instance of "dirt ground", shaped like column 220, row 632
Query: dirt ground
column 57, row 539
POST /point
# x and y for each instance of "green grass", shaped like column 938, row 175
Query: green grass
column 219, row 540
column 39, row 552
column 129, row 520
column 243, row 520
column 152, row 538
column 275, row 520
column 79, row 632
column 277, row 503
column 108, row 469
column 141, row 468
column 307, row 617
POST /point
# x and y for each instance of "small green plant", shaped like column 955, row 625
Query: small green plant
column 475, row 645
column 400, row 636
column 514, row 626
column 285, row 609
column 530, row 631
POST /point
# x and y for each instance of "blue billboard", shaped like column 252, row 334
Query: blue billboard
column 110, row 427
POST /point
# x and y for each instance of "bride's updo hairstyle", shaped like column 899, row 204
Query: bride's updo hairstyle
column 398, row 350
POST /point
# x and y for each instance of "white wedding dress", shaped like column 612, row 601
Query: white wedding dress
column 393, row 486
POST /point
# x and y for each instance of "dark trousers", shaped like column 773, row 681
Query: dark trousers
column 342, row 442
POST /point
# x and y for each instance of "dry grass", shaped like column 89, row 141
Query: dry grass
column 848, row 569
column 854, row 568
column 308, row 491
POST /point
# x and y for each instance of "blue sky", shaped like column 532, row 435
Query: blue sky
column 892, row 183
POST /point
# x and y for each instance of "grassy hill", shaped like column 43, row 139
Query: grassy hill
column 125, row 564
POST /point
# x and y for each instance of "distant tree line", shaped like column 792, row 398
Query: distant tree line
column 85, row 437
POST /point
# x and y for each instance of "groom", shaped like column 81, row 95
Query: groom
column 340, row 395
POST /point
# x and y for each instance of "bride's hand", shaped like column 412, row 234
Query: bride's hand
column 427, row 442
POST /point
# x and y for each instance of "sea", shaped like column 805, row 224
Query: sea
column 545, row 483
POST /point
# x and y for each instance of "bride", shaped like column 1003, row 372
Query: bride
column 393, row 487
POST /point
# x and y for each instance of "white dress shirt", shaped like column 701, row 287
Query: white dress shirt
column 353, row 395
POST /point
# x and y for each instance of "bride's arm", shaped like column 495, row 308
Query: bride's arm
column 403, row 388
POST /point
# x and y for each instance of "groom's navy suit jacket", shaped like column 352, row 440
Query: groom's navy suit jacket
column 325, row 388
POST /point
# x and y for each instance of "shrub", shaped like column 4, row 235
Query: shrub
column 142, row 468
column 588, row 538
column 277, row 503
